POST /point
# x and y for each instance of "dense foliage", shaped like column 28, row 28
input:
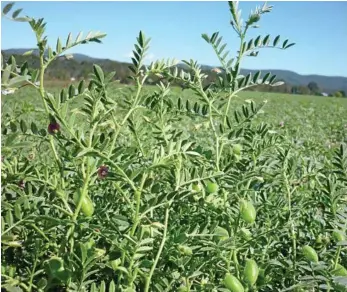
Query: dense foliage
column 121, row 194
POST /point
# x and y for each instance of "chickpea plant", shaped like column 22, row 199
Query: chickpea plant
column 118, row 195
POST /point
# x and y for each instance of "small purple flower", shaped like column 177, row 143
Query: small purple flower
column 53, row 128
column 281, row 124
column 102, row 171
column 21, row 184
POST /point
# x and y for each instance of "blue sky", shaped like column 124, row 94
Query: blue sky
column 319, row 30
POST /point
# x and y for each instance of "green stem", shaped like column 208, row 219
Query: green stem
column 40, row 232
column 215, row 134
column 32, row 274
column 236, row 263
column 131, row 110
column 51, row 141
column 137, row 195
column 148, row 279
column 337, row 256
column 201, row 179
column 227, row 108
column 238, row 61
column 136, row 220
column 292, row 228
column 16, row 224
column 83, row 194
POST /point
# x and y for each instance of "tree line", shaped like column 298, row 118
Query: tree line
column 63, row 70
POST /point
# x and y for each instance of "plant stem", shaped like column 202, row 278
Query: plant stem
column 78, row 208
column 32, row 274
column 83, row 194
column 131, row 110
column 137, row 195
column 292, row 228
column 148, row 279
column 337, row 256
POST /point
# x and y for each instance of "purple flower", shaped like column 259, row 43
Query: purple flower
column 53, row 128
column 102, row 171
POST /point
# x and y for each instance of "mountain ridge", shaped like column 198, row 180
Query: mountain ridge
column 327, row 83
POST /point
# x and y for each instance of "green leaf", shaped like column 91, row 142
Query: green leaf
column 23, row 126
column 72, row 91
column 144, row 248
column 256, row 77
column 21, row 145
column 34, row 128
column 43, row 132
column 265, row 78
column 9, row 218
column 141, row 39
column 146, row 241
column 23, row 19
column 7, row 8
column 205, row 37
column 278, row 83
column 17, row 80
column 218, row 41
column 257, row 41
column 83, row 250
column 16, row 13
column 222, row 48
column 18, row 211
column 276, row 40
column 93, row 288
column 78, row 38
column 69, row 40
column 266, row 40
column 290, row 45
column 28, row 53
column 284, row 44
column 6, row 74
column 81, row 87
column 272, row 79
column 221, row 232
column 10, row 288
column 214, row 37
column 112, row 287
column 230, row 62
column 98, row 73
column 95, row 40
column 13, row 127
column 9, row 139
column 250, row 45
column 124, row 270
column 102, row 286
column 248, row 79
column 58, row 46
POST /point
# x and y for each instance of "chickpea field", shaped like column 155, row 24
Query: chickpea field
column 109, row 187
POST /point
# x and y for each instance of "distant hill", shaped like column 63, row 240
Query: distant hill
column 81, row 65
column 327, row 83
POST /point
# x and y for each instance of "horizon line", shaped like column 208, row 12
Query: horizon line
column 217, row 66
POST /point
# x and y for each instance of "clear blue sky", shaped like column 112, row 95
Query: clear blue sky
column 319, row 30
